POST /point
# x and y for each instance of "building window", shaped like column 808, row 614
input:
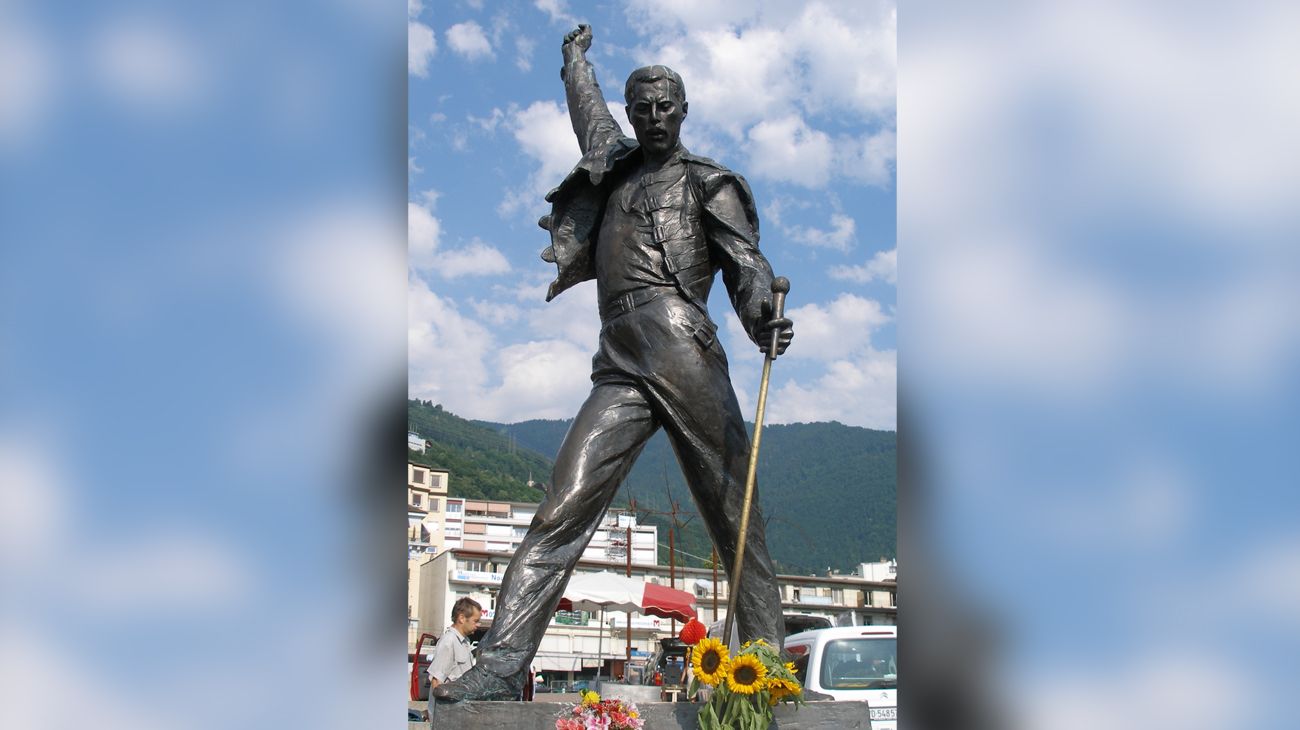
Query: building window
column 453, row 507
column 435, row 480
column 434, row 505
column 796, row 595
column 837, row 596
column 477, row 566
column 417, row 476
column 417, row 500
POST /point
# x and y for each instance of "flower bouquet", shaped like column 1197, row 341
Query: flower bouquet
column 746, row 686
column 593, row 713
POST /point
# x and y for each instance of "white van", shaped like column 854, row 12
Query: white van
column 851, row 663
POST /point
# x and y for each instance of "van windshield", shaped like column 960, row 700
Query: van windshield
column 864, row 663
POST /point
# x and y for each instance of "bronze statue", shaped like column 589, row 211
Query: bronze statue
column 652, row 224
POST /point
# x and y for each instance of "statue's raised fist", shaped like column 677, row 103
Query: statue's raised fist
column 581, row 37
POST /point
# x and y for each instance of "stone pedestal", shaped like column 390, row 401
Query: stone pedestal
column 658, row 716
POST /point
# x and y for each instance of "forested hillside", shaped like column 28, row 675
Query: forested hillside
column 483, row 462
column 829, row 491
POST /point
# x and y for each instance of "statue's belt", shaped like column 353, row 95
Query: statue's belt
column 624, row 303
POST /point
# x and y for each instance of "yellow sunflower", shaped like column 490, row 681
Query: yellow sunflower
column 779, row 688
column 709, row 661
column 746, row 676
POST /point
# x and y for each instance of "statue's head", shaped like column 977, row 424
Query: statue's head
column 656, row 106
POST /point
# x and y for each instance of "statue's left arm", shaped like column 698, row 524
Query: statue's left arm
column 731, row 227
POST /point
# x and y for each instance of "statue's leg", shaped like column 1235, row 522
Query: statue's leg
column 606, row 436
column 694, row 401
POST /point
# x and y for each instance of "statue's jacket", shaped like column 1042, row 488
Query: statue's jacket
column 706, row 223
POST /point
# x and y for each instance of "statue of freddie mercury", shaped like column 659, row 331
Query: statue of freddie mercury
column 652, row 224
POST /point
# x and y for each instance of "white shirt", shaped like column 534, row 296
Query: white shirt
column 451, row 657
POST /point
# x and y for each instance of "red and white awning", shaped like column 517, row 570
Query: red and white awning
column 614, row 592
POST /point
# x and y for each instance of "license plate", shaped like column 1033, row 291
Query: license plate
column 884, row 713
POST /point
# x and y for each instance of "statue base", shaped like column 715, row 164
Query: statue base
column 658, row 715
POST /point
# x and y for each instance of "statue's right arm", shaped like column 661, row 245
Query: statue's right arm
column 592, row 122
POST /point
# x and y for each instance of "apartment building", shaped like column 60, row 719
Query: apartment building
column 499, row 527
column 426, row 495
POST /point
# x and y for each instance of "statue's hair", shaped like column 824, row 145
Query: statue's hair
column 651, row 74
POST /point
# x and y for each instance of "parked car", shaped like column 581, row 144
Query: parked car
column 851, row 663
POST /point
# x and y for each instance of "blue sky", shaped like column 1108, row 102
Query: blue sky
column 797, row 97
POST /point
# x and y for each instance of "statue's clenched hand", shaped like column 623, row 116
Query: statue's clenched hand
column 576, row 42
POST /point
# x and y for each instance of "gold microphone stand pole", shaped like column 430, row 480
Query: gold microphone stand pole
column 780, row 286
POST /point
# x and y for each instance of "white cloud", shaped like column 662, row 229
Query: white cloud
column 766, row 71
column 868, row 160
column 469, row 40
column 424, row 235
column 858, row 391
column 882, row 267
column 149, row 63
column 733, row 78
column 421, row 44
column 545, row 134
column 851, row 54
column 497, row 313
column 455, row 361
column 831, row 371
column 414, row 8
column 836, row 330
column 27, row 75
column 546, row 379
column 524, row 53
column 490, row 122
column 447, row 351
column 840, row 236
column 786, row 149
column 558, row 11
column 426, row 253
column 573, row 316
column 475, row 259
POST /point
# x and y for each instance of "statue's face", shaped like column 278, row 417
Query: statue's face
column 656, row 116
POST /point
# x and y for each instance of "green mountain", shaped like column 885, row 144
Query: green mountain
column 828, row 491
column 483, row 463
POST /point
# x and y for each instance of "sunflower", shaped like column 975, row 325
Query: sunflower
column 781, row 687
column 746, row 676
column 709, row 661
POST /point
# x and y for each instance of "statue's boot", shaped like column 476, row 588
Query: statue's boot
column 477, row 684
